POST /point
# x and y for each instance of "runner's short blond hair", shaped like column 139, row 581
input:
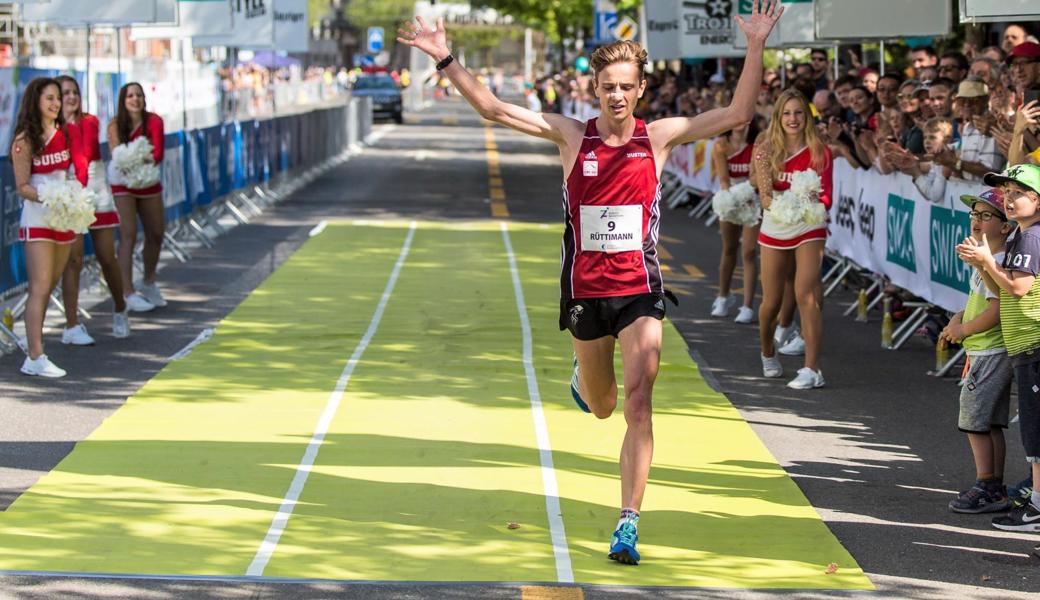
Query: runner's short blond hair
column 618, row 52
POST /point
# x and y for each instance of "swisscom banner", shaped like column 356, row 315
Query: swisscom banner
column 882, row 223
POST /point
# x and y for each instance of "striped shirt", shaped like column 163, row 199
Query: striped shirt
column 979, row 148
column 1020, row 317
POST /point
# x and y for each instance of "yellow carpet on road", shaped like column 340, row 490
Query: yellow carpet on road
column 430, row 470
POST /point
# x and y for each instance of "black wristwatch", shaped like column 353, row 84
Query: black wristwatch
column 445, row 62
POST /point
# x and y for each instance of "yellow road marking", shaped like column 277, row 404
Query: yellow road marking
column 693, row 271
column 664, row 253
column 532, row 592
column 495, row 189
column 450, row 120
column 671, row 240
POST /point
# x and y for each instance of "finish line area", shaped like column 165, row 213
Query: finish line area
column 391, row 405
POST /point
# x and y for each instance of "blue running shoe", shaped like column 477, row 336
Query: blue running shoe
column 623, row 544
column 574, row 389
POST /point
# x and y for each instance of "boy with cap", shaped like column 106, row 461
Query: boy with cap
column 1015, row 279
column 986, row 394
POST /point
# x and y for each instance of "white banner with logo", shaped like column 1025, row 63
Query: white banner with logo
column 194, row 18
column 81, row 12
column 689, row 29
column 252, row 26
column 291, row 31
column 882, row 223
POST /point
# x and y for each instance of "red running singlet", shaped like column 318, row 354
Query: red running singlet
column 610, row 201
column 740, row 163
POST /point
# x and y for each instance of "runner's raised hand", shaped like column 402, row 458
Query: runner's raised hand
column 431, row 40
column 761, row 22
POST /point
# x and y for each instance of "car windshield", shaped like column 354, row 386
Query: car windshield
column 375, row 83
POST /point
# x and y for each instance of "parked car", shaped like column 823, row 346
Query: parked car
column 385, row 95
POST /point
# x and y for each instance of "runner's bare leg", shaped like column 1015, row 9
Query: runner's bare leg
column 641, row 357
column 597, row 383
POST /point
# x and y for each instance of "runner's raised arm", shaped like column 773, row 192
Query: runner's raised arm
column 433, row 41
column 683, row 130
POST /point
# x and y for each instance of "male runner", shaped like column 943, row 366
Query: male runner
column 611, row 285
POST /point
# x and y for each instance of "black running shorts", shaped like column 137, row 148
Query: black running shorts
column 593, row 318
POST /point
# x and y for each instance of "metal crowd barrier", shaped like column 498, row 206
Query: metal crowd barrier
column 233, row 171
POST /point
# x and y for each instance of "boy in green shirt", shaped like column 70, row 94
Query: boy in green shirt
column 986, row 394
column 1015, row 278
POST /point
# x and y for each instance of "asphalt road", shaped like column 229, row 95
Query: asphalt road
column 877, row 451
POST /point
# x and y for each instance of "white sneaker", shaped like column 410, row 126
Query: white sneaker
column 720, row 307
column 807, row 379
column 137, row 303
column 77, row 336
column 745, row 315
column 151, row 293
column 771, row 367
column 121, row 324
column 782, row 335
column 795, row 347
column 42, row 366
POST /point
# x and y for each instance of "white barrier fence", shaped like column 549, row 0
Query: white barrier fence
column 882, row 223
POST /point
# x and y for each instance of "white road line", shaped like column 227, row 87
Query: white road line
column 320, row 227
column 564, row 574
column 203, row 336
column 281, row 519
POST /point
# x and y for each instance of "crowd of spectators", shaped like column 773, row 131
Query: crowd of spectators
column 956, row 114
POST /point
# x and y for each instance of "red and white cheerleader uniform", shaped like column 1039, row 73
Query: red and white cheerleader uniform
column 61, row 152
column 155, row 130
column 788, row 237
column 105, row 214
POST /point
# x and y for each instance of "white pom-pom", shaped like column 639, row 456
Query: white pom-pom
column 70, row 206
column 739, row 204
column 787, row 209
column 816, row 213
column 133, row 161
column 806, row 183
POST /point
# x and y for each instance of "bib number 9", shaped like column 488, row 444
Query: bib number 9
column 611, row 228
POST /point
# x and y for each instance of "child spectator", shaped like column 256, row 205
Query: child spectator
column 1015, row 278
column 929, row 177
column 985, row 398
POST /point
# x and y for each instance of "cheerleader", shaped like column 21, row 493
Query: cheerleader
column 731, row 156
column 102, row 232
column 44, row 149
column 792, row 145
column 133, row 121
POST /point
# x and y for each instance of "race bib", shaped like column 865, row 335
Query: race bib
column 611, row 228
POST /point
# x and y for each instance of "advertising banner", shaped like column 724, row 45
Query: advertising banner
column 292, row 33
column 689, row 29
column 194, row 18
column 252, row 26
column 882, row 223
column 79, row 12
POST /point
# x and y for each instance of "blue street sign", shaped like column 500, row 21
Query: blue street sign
column 375, row 40
column 605, row 19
